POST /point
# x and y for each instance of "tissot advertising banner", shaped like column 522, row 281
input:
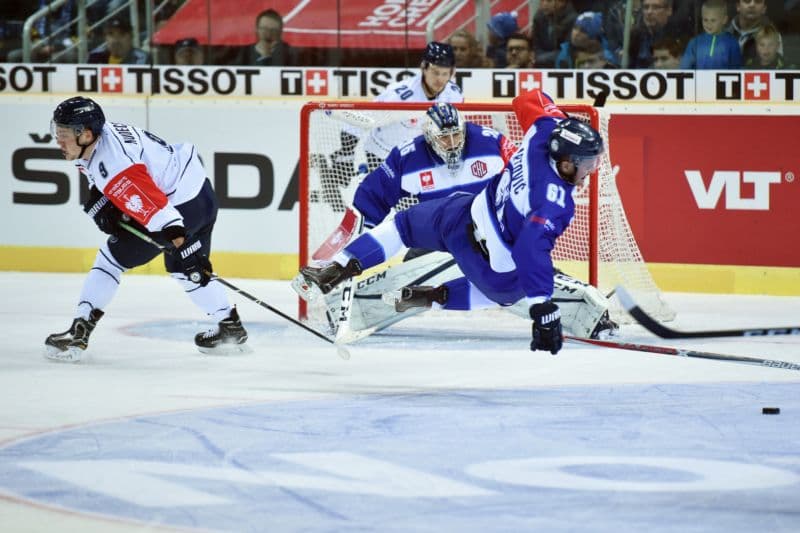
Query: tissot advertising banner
column 360, row 83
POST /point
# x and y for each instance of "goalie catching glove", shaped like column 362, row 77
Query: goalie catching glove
column 105, row 214
column 194, row 263
column 546, row 328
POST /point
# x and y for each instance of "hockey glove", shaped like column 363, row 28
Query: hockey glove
column 194, row 263
column 105, row 214
column 546, row 328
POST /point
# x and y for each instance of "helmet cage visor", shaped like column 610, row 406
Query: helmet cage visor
column 448, row 144
column 585, row 165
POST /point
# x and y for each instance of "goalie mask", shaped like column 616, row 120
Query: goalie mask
column 579, row 143
column 444, row 133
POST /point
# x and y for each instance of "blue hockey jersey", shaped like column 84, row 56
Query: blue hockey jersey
column 414, row 171
column 525, row 208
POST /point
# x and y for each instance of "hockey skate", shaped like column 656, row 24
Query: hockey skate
column 419, row 296
column 69, row 346
column 229, row 337
column 324, row 278
column 605, row 328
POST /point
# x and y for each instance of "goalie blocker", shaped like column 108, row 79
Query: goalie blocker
column 584, row 310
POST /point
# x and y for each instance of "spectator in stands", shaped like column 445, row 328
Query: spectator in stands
column 614, row 23
column 467, row 50
column 188, row 52
column 269, row 49
column 667, row 53
column 518, row 52
column 118, row 46
column 715, row 48
column 552, row 25
column 751, row 16
column 501, row 26
column 588, row 27
column 592, row 57
column 768, row 45
column 654, row 23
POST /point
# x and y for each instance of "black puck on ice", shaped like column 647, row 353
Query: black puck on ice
column 770, row 410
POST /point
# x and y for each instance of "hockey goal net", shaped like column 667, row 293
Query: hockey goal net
column 598, row 246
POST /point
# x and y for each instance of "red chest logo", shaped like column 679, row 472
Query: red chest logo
column 426, row 180
column 479, row 169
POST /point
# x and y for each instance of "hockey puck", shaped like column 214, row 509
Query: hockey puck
column 770, row 410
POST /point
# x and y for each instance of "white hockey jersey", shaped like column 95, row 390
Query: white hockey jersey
column 143, row 175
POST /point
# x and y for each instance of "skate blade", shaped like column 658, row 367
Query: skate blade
column 71, row 354
column 307, row 291
column 226, row 349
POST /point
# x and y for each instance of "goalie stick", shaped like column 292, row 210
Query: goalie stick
column 340, row 350
column 657, row 328
column 664, row 350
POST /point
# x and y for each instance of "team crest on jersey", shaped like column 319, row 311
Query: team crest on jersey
column 479, row 169
column 136, row 202
column 426, row 180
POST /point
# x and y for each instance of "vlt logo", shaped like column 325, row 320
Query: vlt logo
column 731, row 182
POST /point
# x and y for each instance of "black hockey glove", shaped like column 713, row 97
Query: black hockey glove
column 105, row 214
column 546, row 328
column 194, row 263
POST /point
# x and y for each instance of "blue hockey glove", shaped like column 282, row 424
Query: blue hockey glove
column 546, row 327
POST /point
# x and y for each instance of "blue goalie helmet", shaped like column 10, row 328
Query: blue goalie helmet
column 578, row 142
column 79, row 113
column 444, row 133
column 439, row 54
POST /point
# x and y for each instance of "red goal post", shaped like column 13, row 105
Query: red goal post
column 597, row 247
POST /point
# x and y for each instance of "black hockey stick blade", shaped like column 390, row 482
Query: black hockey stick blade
column 657, row 328
column 340, row 350
column 679, row 352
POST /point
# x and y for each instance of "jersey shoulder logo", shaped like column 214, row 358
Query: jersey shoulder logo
column 479, row 169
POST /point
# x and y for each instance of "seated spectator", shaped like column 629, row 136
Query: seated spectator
column 269, row 49
column 588, row 27
column 188, row 52
column 655, row 22
column 592, row 57
column 768, row 45
column 751, row 16
column 518, row 52
column 118, row 46
column 614, row 23
column 667, row 53
column 501, row 26
column 552, row 25
column 467, row 50
column 715, row 48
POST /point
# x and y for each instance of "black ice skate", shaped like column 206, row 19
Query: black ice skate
column 70, row 345
column 419, row 296
column 229, row 337
column 329, row 276
column 605, row 328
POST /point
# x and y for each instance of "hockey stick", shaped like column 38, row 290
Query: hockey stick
column 664, row 350
column 657, row 328
column 341, row 350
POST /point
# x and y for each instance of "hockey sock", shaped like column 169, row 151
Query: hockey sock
column 374, row 247
column 101, row 283
column 464, row 296
column 211, row 299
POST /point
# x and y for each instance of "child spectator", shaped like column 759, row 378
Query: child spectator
column 768, row 45
column 592, row 57
column 551, row 27
column 467, row 50
column 588, row 27
column 500, row 27
column 715, row 48
column 667, row 53
column 751, row 16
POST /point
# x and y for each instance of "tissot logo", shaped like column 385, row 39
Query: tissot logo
column 528, row 80
column 731, row 182
column 508, row 84
column 743, row 86
column 104, row 79
column 316, row 82
column 291, row 82
column 111, row 79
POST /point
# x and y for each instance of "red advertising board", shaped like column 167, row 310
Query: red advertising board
column 710, row 189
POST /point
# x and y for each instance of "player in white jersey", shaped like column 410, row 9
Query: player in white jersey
column 163, row 191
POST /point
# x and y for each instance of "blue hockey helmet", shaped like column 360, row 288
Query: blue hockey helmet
column 444, row 133
column 579, row 143
column 439, row 54
column 79, row 113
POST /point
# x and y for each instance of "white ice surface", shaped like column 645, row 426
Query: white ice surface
column 433, row 379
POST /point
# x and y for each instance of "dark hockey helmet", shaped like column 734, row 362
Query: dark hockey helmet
column 577, row 142
column 79, row 113
column 439, row 54
column 444, row 132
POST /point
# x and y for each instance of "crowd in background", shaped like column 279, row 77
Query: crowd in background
column 666, row 34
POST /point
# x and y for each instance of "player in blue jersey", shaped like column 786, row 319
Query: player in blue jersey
column 502, row 237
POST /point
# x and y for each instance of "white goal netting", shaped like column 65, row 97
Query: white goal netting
column 599, row 245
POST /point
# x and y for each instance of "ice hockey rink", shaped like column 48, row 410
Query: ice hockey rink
column 445, row 422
